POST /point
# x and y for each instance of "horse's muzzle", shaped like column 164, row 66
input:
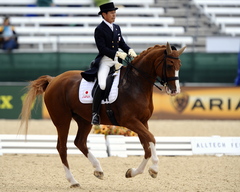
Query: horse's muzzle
column 172, row 92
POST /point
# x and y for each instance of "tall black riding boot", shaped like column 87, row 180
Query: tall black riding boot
column 97, row 98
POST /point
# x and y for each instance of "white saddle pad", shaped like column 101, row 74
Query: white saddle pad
column 85, row 90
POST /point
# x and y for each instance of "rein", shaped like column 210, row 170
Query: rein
column 164, row 79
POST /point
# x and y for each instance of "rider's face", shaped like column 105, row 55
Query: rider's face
column 110, row 16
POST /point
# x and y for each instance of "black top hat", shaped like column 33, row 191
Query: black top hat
column 107, row 7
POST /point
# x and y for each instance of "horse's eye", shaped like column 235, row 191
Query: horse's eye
column 169, row 66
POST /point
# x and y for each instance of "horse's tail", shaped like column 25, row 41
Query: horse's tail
column 35, row 88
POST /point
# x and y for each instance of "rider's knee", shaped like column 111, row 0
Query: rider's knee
column 102, row 85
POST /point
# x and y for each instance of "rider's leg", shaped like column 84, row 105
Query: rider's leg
column 102, row 75
column 103, row 71
column 97, row 98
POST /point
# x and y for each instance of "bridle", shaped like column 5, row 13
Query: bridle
column 165, row 79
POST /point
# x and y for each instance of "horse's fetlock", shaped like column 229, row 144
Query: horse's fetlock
column 155, row 161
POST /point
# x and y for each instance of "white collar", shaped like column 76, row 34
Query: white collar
column 109, row 24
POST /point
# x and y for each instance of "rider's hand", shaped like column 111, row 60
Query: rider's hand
column 132, row 53
column 121, row 55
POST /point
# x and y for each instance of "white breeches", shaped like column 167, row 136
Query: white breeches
column 104, row 69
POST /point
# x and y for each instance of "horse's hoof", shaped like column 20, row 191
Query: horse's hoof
column 153, row 173
column 75, row 185
column 98, row 174
column 128, row 173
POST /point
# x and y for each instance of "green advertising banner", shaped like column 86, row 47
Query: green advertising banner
column 11, row 97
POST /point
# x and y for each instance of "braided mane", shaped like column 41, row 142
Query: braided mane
column 151, row 48
column 145, row 52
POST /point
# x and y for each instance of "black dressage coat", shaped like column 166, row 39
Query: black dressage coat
column 107, row 42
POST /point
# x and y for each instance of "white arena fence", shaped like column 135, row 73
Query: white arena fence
column 118, row 145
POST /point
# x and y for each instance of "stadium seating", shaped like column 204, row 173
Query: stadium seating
column 209, row 3
column 56, row 26
column 232, row 30
column 225, row 14
column 152, row 22
column 86, row 11
column 214, row 11
column 87, row 21
column 55, row 41
column 90, row 30
column 144, row 3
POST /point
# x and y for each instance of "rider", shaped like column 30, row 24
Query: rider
column 108, row 39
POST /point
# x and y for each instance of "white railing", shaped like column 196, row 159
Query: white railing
column 118, row 145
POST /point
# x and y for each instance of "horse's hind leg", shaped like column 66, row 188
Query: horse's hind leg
column 62, row 124
column 84, row 127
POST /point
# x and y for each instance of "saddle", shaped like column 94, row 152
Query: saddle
column 110, row 94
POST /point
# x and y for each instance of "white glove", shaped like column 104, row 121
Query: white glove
column 118, row 66
column 121, row 55
column 132, row 53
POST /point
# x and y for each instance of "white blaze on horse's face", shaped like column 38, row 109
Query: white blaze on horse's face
column 178, row 90
column 174, row 88
column 177, row 84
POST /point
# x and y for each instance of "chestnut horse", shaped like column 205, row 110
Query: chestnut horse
column 132, row 109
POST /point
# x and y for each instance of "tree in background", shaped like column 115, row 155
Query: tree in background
column 100, row 2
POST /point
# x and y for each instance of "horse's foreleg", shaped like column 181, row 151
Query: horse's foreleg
column 70, row 177
column 148, row 143
column 133, row 172
column 153, row 170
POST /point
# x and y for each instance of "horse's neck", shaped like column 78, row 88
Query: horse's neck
column 145, row 66
column 138, row 77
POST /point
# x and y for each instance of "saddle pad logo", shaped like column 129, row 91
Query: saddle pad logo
column 86, row 94
column 180, row 102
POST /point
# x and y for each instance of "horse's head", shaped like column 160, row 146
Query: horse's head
column 168, row 69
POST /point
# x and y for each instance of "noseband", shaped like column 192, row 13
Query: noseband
column 165, row 79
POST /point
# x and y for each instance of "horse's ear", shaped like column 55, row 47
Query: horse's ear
column 180, row 51
column 169, row 49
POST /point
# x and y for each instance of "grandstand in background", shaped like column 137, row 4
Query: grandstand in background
column 70, row 25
